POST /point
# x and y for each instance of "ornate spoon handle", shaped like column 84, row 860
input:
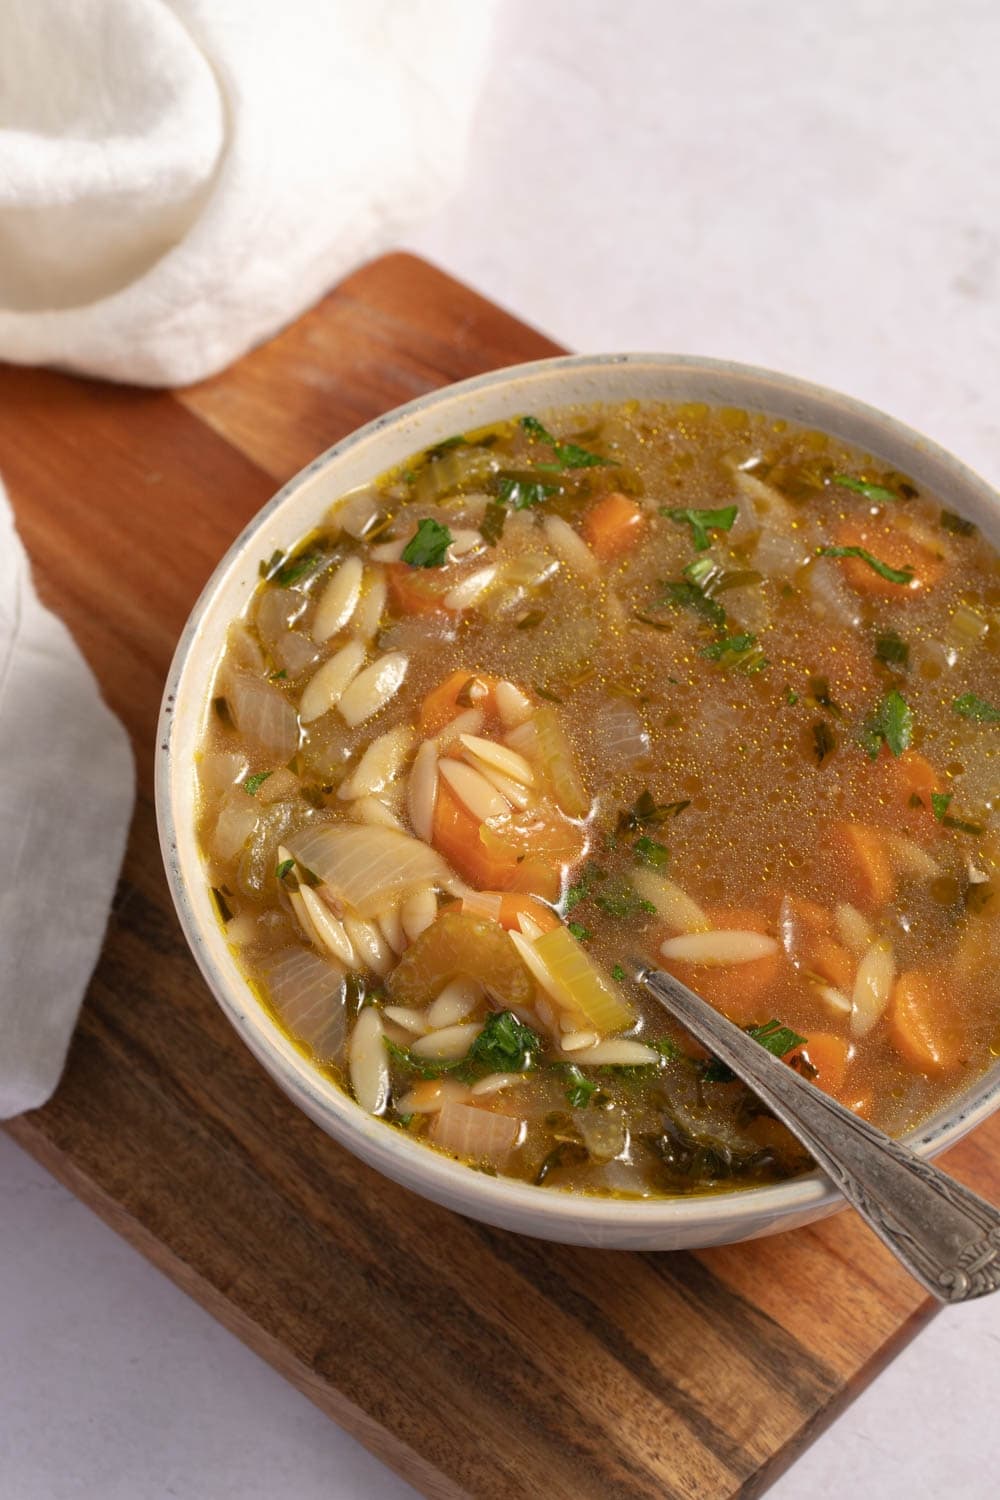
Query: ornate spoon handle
column 945, row 1236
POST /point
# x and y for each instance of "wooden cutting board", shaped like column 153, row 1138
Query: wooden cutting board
column 473, row 1361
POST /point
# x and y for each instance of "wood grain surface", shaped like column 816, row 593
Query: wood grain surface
column 473, row 1361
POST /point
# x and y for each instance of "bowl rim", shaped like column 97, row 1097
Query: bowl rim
column 445, row 1179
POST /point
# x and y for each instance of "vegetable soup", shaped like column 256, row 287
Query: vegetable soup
column 667, row 682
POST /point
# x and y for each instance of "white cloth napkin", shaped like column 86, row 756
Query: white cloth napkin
column 178, row 178
column 66, row 790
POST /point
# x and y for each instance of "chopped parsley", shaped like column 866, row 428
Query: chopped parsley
column 492, row 524
column 824, row 740
column 581, row 933
column 284, row 869
column 646, row 812
column 892, row 650
column 618, row 974
column 890, row 724
column 940, row 802
column 522, row 494
column 976, row 709
column 581, row 1089
column 649, row 852
column 505, row 1045
column 253, row 784
column 222, row 905
column 702, row 522
column 772, row 1036
column 620, row 899
column 615, row 895
column 957, row 525
column 690, row 596
column 565, row 455
column 427, row 547
column 819, row 691
column 739, row 651
column 875, row 492
column 890, row 574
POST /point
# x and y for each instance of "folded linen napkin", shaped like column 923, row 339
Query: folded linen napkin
column 66, row 791
column 178, row 178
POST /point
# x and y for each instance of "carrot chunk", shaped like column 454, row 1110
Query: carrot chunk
column 863, row 865
column 895, row 547
column 613, row 526
column 829, row 1055
column 412, row 592
column 453, row 696
column 740, row 991
column 498, row 863
column 507, row 908
column 922, row 1024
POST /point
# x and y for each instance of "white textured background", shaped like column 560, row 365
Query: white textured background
column 795, row 184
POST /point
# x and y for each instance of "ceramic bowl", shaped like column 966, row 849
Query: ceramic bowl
column 661, row 1224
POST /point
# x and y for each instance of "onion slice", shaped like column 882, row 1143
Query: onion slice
column 367, row 867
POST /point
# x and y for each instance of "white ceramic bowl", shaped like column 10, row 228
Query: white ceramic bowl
column 662, row 1224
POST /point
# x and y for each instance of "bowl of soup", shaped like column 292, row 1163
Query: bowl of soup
column 599, row 660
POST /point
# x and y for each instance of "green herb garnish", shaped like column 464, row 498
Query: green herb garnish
column 890, row 574
column 296, row 567
column 622, row 901
column 427, row 547
column 688, row 595
column 649, row 852
column 618, row 974
column 581, row 933
column 819, row 692
column 565, row 455
column 505, row 1045
column 892, row 650
column 875, row 492
column 581, row 1089
column 492, row 524
column 521, row 494
column 772, row 1036
column 824, row 740
column 958, row 525
column 253, row 784
column 646, row 812
column 891, row 724
column 940, row 802
column 976, row 709
column 739, row 651
column 284, row 868
column 222, row 905
column 702, row 522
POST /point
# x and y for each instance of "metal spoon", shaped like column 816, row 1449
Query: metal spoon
column 945, row 1236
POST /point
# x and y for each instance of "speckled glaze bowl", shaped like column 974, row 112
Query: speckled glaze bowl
column 663, row 1224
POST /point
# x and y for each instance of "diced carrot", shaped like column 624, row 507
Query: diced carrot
column 813, row 946
column 739, row 991
column 910, row 782
column 829, row 1055
column 457, row 835
column 442, row 703
column 863, row 869
column 413, row 592
column 613, row 526
column 897, row 548
column 923, row 1027
column 508, row 907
